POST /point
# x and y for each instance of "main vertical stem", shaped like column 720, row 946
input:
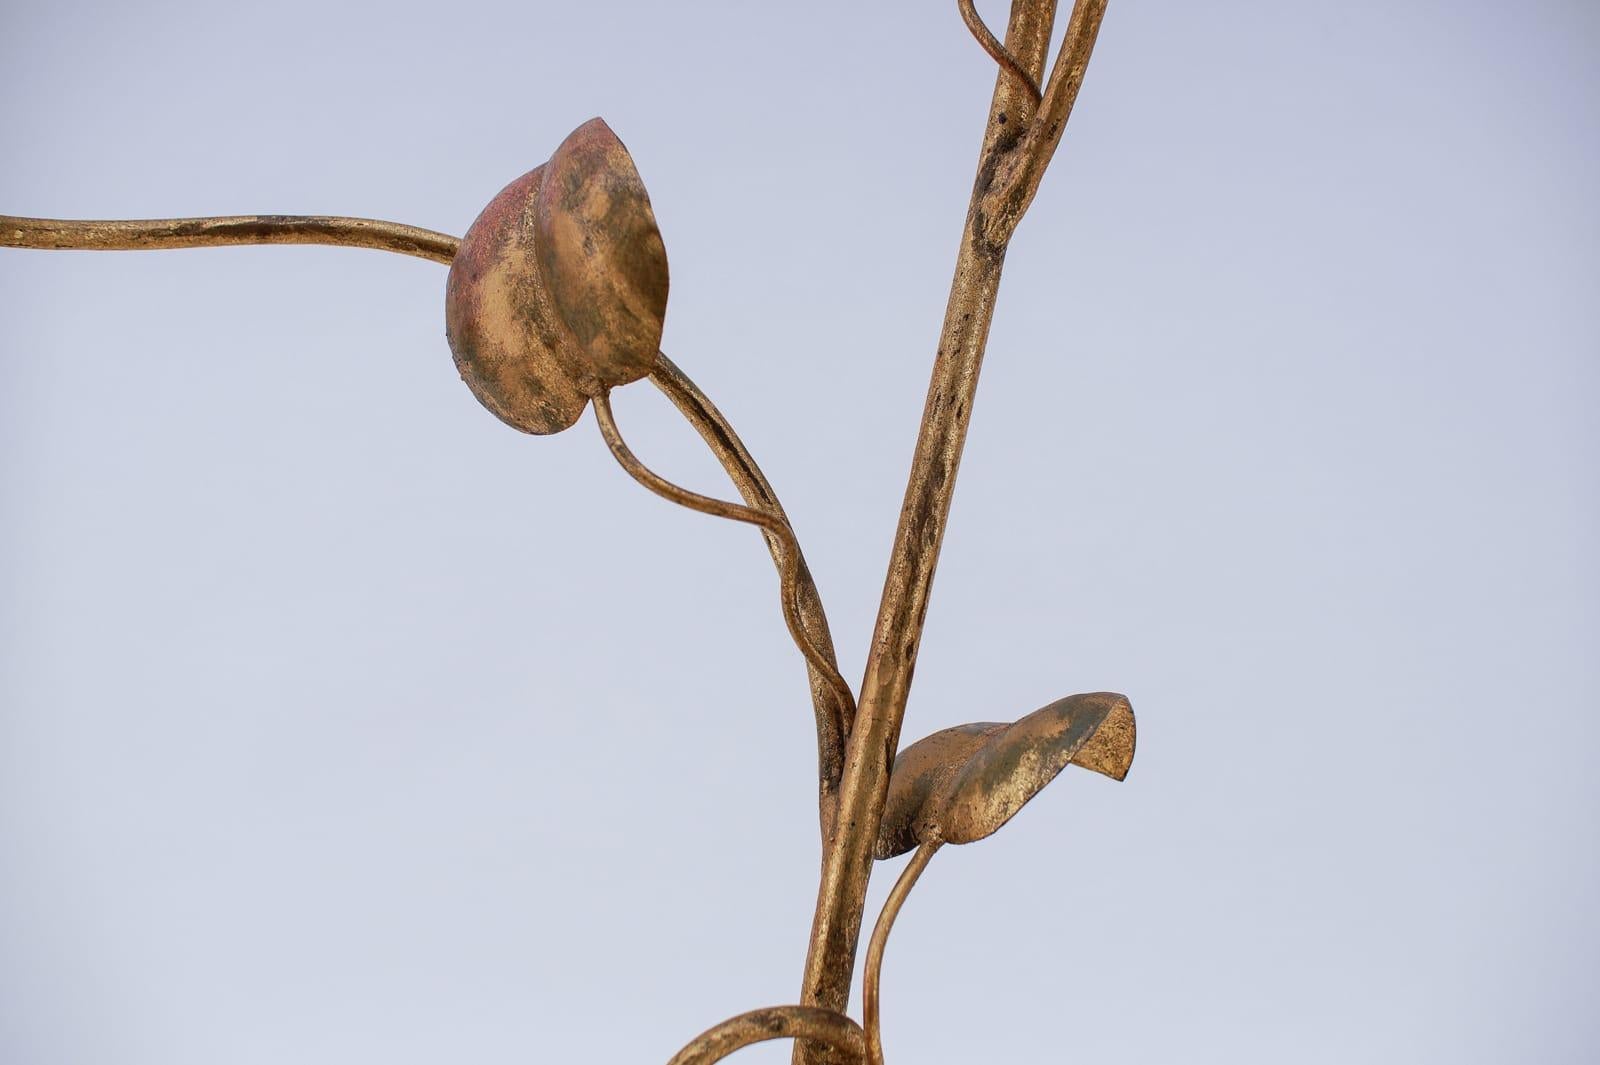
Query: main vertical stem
column 847, row 862
column 891, row 659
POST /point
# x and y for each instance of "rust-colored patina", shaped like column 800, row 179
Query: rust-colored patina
column 601, row 254
column 559, row 290
column 558, row 294
column 510, row 347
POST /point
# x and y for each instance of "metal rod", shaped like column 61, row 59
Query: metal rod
column 897, row 635
column 721, row 508
column 835, row 710
column 159, row 233
column 996, row 50
column 880, row 936
column 1018, row 178
column 830, row 1029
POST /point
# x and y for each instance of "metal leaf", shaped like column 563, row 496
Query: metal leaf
column 602, row 254
column 964, row 783
column 508, row 344
column 559, row 289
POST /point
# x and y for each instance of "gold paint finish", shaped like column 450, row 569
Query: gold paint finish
column 560, row 287
column 601, row 254
column 509, row 345
column 833, row 1030
column 921, row 773
column 159, row 233
column 834, row 709
column 962, row 784
column 1017, row 145
column 558, row 293
column 772, row 524
column 996, row 50
column 1021, row 169
column 871, row 978
column 1109, row 751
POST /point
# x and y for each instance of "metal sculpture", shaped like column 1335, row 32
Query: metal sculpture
column 556, row 295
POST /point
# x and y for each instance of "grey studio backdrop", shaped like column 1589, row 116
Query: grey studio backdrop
column 343, row 724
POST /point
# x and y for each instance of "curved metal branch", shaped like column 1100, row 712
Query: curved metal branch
column 835, row 710
column 831, row 1029
column 880, row 936
column 157, row 233
column 996, row 50
column 832, row 698
column 766, row 520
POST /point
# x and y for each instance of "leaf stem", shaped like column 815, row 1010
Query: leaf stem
column 721, row 508
column 835, row 709
column 880, row 936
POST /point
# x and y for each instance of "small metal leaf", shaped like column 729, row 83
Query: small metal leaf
column 559, row 289
column 964, row 783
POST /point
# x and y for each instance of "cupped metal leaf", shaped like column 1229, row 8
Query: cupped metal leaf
column 559, row 289
column 509, row 346
column 964, row 783
column 602, row 254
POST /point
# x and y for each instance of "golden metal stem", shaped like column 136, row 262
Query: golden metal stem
column 721, row 508
column 1013, row 128
column 880, row 936
column 835, row 710
column 830, row 1029
column 158, row 233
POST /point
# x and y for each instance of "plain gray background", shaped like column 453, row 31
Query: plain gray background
column 343, row 724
